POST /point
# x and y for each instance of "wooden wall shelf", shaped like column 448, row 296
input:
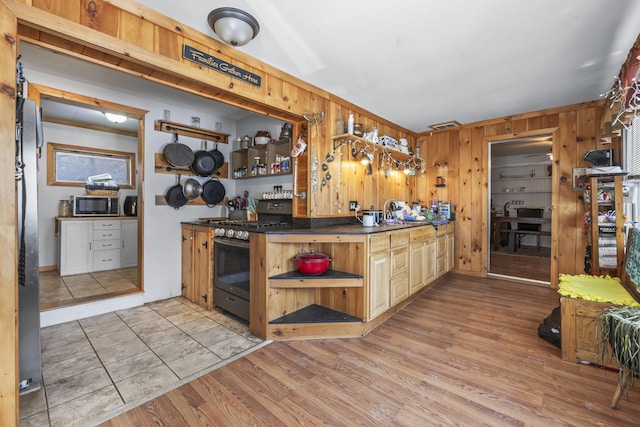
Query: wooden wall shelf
column 191, row 131
column 358, row 142
column 162, row 166
column 161, row 200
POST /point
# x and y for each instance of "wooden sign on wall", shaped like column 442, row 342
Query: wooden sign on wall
column 192, row 54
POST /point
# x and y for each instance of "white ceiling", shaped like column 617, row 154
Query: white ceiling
column 420, row 62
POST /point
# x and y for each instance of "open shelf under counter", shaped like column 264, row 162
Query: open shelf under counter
column 315, row 313
column 329, row 279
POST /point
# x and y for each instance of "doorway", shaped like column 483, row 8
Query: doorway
column 80, row 122
column 520, row 189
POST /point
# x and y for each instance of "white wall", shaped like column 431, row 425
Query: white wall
column 162, row 224
column 50, row 195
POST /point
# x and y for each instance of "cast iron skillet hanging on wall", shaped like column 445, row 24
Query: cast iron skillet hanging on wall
column 175, row 196
column 204, row 163
column 217, row 154
column 213, row 192
column 177, row 154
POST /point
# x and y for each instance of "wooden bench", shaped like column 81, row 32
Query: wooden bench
column 579, row 316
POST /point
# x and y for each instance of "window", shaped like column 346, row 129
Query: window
column 632, row 148
column 71, row 165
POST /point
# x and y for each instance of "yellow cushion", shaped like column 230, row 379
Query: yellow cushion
column 595, row 288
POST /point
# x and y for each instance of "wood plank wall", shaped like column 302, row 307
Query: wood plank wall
column 462, row 154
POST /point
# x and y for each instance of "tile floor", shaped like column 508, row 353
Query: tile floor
column 97, row 367
column 56, row 289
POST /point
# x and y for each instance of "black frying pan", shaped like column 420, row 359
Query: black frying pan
column 204, row 163
column 175, row 196
column 213, row 192
column 177, row 154
column 217, row 154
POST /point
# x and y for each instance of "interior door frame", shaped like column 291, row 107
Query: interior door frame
column 37, row 91
column 554, row 132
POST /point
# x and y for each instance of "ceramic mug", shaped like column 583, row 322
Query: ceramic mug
column 367, row 220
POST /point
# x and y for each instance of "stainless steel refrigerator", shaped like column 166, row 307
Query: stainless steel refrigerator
column 28, row 144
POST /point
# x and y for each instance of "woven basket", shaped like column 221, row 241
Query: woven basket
column 112, row 193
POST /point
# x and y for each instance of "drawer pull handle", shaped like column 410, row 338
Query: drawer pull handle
column 231, row 299
column 107, row 260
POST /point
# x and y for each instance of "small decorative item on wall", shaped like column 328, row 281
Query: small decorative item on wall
column 580, row 179
column 315, row 119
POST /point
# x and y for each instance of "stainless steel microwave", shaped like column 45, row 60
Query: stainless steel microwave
column 94, row 206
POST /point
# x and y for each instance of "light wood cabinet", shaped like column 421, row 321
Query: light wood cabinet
column 578, row 326
column 422, row 258
column 197, row 264
column 441, row 255
column 370, row 279
column 379, row 274
column 378, row 284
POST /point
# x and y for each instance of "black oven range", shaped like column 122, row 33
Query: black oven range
column 232, row 258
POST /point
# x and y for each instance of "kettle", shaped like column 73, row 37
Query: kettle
column 130, row 206
column 286, row 131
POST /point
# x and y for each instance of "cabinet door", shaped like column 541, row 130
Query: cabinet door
column 202, row 269
column 378, row 284
column 188, row 290
column 129, row 257
column 417, row 267
column 429, row 257
column 75, row 247
column 451, row 251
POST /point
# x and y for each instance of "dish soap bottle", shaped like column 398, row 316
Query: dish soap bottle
column 339, row 123
column 350, row 124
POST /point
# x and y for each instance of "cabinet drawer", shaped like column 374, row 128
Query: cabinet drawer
column 420, row 234
column 399, row 261
column 106, row 234
column 399, row 238
column 106, row 224
column 106, row 260
column 379, row 242
column 103, row 245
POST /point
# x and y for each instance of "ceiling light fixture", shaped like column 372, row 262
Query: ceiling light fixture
column 115, row 118
column 235, row 27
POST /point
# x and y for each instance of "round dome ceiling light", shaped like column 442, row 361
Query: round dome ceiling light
column 235, row 27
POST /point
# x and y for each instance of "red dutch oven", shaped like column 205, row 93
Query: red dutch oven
column 312, row 263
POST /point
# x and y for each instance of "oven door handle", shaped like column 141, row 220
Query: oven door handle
column 230, row 242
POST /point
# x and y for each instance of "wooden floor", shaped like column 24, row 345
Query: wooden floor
column 465, row 353
column 523, row 264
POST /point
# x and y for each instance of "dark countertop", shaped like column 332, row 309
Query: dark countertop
column 336, row 229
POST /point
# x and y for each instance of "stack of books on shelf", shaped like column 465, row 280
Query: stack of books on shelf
column 607, row 252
